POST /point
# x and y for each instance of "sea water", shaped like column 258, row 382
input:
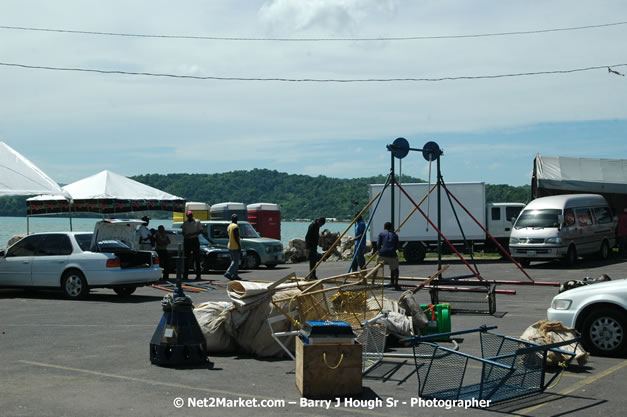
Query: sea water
column 11, row 226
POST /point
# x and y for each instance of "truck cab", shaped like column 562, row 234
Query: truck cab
column 500, row 221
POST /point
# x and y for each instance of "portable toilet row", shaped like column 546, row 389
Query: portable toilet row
column 264, row 217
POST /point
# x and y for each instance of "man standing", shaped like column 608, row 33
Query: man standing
column 235, row 248
column 311, row 241
column 359, row 260
column 192, row 228
column 161, row 246
column 388, row 244
column 145, row 237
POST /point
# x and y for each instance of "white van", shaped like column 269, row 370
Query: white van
column 563, row 227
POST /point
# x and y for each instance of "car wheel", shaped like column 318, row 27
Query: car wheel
column 604, row 252
column 205, row 265
column 253, row 260
column 74, row 285
column 603, row 332
column 124, row 291
column 571, row 256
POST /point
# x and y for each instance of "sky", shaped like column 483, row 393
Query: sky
column 73, row 124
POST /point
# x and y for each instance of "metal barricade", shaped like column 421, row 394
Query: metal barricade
column 509, row 368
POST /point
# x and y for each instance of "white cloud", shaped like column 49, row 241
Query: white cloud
column 336, row 16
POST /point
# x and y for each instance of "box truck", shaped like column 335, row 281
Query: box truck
column 417, row 236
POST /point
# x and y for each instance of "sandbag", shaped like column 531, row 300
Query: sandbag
column 399, row 325
column 408, row 302
column 545, row 332
column 213, row 317
column 253, row 335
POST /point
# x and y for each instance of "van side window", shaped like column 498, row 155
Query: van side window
column 496, row 213
column 583, row 217
column 569, row 217
column 602, row 215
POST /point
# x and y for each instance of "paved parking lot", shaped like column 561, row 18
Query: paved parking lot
column 78, row 358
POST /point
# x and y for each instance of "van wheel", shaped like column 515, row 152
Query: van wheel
column 571, row 256
column 74, row 285
column 604, row 253
column 524, row 262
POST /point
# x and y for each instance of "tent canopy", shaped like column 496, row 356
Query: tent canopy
column 19, row 176
column 106, row 193
column 561, row 175
column 581, row 174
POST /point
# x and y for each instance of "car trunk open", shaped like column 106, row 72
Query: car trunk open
column 118, row 237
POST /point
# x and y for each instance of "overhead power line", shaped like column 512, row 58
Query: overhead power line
column 313, row 80
column 393, row 38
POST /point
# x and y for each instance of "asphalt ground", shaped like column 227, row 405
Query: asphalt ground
column 91, row 358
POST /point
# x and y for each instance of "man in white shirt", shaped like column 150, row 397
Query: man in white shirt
column 145, row 237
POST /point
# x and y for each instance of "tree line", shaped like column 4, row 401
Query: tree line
column 300, row 196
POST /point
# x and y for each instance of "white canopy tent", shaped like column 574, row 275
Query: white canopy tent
column 19, row 176
column 106, row 193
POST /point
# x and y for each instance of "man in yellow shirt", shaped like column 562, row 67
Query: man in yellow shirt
column 235, row 248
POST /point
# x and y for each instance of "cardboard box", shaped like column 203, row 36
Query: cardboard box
column 328, row 370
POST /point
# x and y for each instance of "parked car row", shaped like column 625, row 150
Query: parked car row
column 260, row 250
column 212, row 255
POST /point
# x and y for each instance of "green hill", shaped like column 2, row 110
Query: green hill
column 300, row 196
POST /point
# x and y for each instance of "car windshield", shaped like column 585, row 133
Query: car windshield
column 203, row 240
column 246, row 230
column 84, row 240
column 538, row 218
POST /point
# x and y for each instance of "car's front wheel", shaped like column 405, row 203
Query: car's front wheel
column 604, row 252
column 603, row 332
column 124, row 291
column 253, row 260
column 74, row 285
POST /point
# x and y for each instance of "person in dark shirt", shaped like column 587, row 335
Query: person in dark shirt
column 311, row 242
column 161, row 242
column 387, row 242
column 359, row 260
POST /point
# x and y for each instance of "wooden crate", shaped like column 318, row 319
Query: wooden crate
column 338, row 375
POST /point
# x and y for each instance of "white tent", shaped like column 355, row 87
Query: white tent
column 19, row 176
column 106, row 193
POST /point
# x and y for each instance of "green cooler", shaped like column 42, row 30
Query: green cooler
column 439, row 316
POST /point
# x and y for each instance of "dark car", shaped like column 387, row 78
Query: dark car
column 212, row 255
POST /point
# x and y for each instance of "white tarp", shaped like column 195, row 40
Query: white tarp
column 109, row 185
column 581, row 174
column 19, row 176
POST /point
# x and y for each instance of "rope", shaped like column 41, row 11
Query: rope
column 324, row 357
column 562, row 365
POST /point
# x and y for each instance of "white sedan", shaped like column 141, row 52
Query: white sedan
column 599, row 312
column 72, row 262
